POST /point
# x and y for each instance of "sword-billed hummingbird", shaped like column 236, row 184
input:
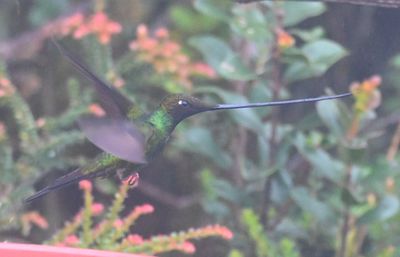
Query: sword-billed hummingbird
column 129, row 138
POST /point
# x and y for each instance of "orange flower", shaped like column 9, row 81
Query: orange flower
column 284, row 39
column 366, row 93
column 203, row 70
column 167, row 56
column 162, row 33
column 98, row 24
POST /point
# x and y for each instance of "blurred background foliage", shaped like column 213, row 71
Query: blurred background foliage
column 306, row 180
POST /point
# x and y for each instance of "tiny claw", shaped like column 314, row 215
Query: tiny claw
column 132, row 180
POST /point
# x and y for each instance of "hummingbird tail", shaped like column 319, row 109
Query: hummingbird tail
column 61, row 182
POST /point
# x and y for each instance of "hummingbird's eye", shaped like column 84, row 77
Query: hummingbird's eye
column 183, row 103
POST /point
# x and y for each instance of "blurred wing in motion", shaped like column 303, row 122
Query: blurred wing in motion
column 114, row 103
column 115, row 136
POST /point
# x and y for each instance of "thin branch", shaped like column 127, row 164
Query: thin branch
column 378, row 3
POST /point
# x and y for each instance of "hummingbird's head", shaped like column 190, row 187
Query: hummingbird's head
column 182, row 106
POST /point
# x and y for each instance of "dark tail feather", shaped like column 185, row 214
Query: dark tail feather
column 61, row 182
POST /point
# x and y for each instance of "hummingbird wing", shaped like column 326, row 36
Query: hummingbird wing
column 115, row 136
column 113, row 102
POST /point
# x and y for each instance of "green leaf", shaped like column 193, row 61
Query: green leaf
column 235, row 253
column 321, row 211
column 298, row 12
column 395, row 61
column 322, row 162
column 189, row 21
column 250, row 23
column 227, row 191
column 217, row 9
column 43, row 10
column 200, row 140
column 221, row 57
column 387, row 208
column 310, row 34
column 332, row 116
column 320, row 56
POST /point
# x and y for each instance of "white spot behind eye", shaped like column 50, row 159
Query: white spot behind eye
column 183, row 102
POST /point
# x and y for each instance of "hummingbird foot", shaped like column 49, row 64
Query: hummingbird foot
column 132, row 180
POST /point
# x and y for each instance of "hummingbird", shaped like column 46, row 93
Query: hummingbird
column 130, row 138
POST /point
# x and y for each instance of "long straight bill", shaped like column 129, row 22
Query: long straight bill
column 276, row 103
column 378, row 3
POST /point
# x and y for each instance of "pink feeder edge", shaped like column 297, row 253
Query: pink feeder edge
column 31, row 250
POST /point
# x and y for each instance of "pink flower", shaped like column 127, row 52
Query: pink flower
column 6, row 88
column 40, row 122
column 71, row 240
column 97, row 110
column 144, row 209
column 97, row 208
column 85, row 185
column 35, row 218
column 187, row 247
column 135, row 239
column 71, row 23
column 118, row 223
